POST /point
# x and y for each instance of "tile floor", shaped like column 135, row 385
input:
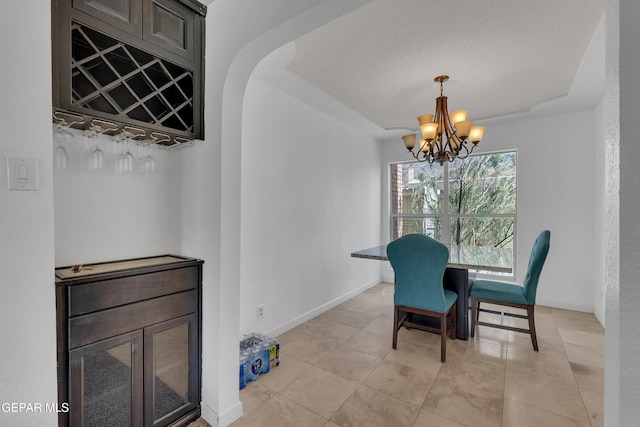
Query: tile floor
column 339, row 370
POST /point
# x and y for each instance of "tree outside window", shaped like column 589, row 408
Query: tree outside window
column 480, row 204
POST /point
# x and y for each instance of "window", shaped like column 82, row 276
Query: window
column 470, row 202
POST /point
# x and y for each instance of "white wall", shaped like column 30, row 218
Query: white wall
column 102, row 216
column 622, row 339
column 310, row 196
column 236, row 42
column 556, row 191
column 600, row 212
column 27, row 305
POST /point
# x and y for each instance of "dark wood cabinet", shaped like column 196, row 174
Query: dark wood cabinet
column 136, row 64
column 129, row 342
column 171, row 26
column 123, row 14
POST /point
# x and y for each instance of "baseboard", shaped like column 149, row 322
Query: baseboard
column 224, row 420
column 320, row 309
column 230, row 415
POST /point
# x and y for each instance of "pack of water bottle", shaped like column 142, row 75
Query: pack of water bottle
column 258, row 354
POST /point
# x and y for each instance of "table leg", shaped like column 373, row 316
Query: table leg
column 457, row 280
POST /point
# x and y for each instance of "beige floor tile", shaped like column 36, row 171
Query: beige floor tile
column 310, row 349
column 382, row 326
column 588, row 377
column 423, row 358
column 594, row 402
column 282, row 375
column 351, row 305
column 518, row 414
column 370, row 342
column 458, row 347
column 564, row 315
column 487, row 351
column 367, row 407
column 254, row 395
column 401, row 382
column 282, row 412
column 351, row 364
column 375, row 307
column 587, row 339
column 548, row 346
column 340, row 369
column 584, row 322
column 546, row 327
column 545, row 394
column 382, row 290
column 429, row 419
column 585, row 355
column 419, row 337
column 292, row 335
column 334, row 330
column 355, row 319
column 468, row 393
column 320, row 391
column 493, row 335
column 536, row 363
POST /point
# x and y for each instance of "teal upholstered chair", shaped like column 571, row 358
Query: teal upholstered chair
column 507, row 294
column 418, row 263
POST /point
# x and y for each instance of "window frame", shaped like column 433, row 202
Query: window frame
column 446, row 218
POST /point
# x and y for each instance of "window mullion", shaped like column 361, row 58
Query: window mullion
column 446, row 219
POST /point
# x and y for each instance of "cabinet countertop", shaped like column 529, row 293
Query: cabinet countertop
column 81, row 271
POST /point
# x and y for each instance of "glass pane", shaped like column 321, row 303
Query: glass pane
column 171, row 369
column 483, row 184
column 486, row 232
column 432, row 227
column 421, row 189
column 107, row 387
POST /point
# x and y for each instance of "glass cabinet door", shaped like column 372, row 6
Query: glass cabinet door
column 106, row 382
column 171, row 370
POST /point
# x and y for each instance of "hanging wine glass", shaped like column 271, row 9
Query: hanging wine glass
column 147, row 164
column 94, row 156
column 123, row 160
column 61, row 136
column 117, row 157
column 127, row 158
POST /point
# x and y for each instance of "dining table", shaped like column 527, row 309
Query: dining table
column 464, row 262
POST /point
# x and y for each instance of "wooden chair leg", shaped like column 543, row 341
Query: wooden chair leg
column 395, row 326
column 453, row 316
column 443, row 337
column 474, row 316
column 532, row 326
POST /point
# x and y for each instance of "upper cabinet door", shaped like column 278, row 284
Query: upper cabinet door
column 170, row 25
column 123, row 14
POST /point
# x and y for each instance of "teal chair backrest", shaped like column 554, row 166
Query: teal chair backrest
column 536, row 261
column 418, row 263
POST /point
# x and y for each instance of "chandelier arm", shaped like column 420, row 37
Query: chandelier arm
column 467, row 152
column 446, row 143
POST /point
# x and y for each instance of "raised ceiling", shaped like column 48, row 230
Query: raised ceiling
column 503, row 57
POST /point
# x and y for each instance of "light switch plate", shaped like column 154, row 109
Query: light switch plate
column 22, row 173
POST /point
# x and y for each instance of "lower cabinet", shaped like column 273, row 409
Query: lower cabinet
column 106, row 382
column 129, row 351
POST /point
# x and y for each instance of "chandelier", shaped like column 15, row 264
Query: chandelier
column 445, row 136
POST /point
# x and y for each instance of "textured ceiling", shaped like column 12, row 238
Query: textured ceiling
column 502, row 57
